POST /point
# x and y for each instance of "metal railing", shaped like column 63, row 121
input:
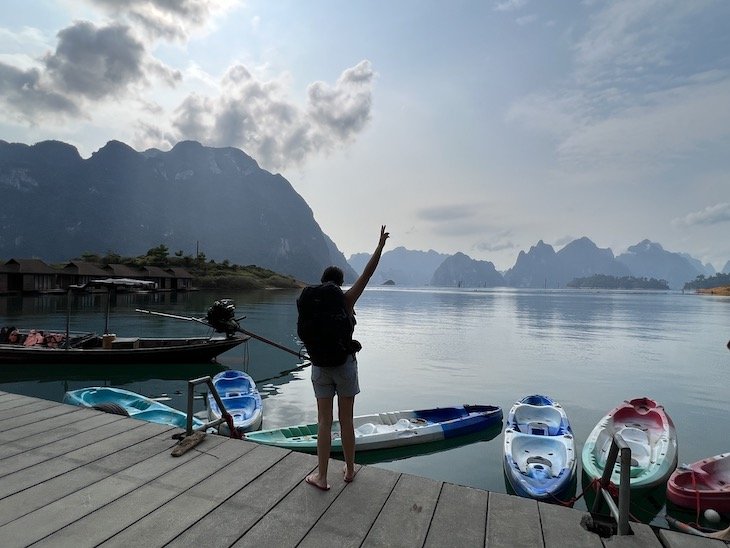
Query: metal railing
column 620, row 513
column 211, row 424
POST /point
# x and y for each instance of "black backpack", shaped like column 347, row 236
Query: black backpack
column 324, row 325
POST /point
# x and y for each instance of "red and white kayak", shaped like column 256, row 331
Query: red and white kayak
column 647, row 430
column 703, row 484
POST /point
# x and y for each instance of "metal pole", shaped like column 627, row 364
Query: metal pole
column 607, row 471
column 624, row 492
column 189, row 426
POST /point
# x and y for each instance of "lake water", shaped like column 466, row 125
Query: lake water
column 590, row 350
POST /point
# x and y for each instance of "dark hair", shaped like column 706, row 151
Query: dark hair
column 333, row 274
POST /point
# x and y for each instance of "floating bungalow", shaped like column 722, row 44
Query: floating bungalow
column 26, row 276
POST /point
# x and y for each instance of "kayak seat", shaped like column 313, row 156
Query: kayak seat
column 638, row 442
column 537, row 428
column 539, row 460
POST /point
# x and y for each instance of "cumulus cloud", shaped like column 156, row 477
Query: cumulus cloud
column 259, row 117
column 711, row 215
column 27, row 97
column 96, row 62
column 166, row 19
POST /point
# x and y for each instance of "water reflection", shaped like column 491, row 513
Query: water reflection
column 427, row 348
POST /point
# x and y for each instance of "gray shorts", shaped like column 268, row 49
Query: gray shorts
column 341, row 380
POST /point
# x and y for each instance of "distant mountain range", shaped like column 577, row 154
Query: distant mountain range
column 543, row 267
column 56, row 206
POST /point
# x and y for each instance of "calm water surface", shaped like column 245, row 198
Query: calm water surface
column 427, row 348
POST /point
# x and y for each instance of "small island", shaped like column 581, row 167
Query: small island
column 603, row 281
column 719, row 284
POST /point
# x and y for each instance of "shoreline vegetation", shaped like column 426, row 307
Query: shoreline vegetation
column 722, row 291
column 602, row 281
column 207, row 274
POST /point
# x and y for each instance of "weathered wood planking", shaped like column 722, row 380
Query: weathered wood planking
column 80, row 477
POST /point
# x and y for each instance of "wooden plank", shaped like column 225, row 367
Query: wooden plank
column 460, row 518
column 57, row 441
column 33, row 488
column 232, row 519
column 348, row 521
column 18, row 402
column 28, row 414
column 644, row 536
column 407, row 513
column 40, row 420
column 286, row 523
column 675, row 539
column 166, row 523
column 9, row 401
column 40, row 523
column 513, row 521
column 561, row 527
column 132, row 507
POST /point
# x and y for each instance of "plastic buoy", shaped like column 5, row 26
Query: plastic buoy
column 712, row 516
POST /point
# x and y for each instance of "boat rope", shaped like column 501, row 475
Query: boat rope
column 235, row 434
column 594, row 485
column 697, row 498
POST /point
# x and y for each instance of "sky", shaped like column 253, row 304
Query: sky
column 479, row 126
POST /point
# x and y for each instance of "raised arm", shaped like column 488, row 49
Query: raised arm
column 353, row 294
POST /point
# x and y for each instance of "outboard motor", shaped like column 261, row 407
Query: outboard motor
column 222, row 317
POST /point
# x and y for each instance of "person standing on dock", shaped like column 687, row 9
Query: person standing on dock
column 330, row 378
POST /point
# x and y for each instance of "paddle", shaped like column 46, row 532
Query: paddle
column 238, row 328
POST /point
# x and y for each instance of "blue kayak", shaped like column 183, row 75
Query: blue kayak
column 539, row 449
column 241, row 399
column 125, row 402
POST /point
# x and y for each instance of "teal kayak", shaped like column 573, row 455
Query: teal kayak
column 125, row 402
column 650, row 434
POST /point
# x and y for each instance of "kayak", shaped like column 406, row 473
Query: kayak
column 647, row 430
column 539, row 448
column 702, row 485
column 390, row 429
column 125, row 402
column 241, row 400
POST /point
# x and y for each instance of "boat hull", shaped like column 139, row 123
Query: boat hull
column 137, row 406
column 389, row 430
column 539, row 449
column 702, row 485
column 136, row 350
column 241, row 400
column 648, row 431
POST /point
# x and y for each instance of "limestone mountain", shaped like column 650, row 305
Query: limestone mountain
column 57, row 205
column 650, row 260
column 543, row 267
column 403, row 266
column 460, row 270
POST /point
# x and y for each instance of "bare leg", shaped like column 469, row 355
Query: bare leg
column 324, row 443
column 345, row 407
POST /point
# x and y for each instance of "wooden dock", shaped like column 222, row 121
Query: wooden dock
column 78, row 477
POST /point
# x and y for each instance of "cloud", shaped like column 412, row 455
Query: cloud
column 90, row 64
column 259, row 117
column 95, row 62
column 630, row 104
column 447, row 213
column 26, row 96
column 510, row 5
column 500, row 241
column 166, row 19
column 711, row 215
